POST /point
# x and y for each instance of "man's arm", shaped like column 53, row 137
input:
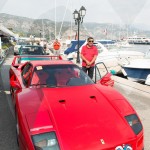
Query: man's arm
column 84, row 59
column 95, row 56
column 93, row 60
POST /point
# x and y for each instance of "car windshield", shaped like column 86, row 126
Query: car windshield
column 31, row 50
column 60, row 75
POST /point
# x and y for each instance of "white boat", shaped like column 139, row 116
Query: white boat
column 123, row 44
column 113, row 59
column 138, row 70
column 138, row 40
column 107, row 43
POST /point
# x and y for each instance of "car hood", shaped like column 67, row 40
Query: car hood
column 84, row 118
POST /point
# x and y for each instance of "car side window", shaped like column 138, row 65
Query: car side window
column 27, row 74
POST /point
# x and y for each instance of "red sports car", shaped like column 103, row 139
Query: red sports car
column 58, row 107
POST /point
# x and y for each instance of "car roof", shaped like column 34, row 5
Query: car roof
column 51, row 62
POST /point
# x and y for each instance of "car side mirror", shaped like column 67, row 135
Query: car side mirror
column 16, row 65
column 15, row 54
column 107, row 80
column 15, row 85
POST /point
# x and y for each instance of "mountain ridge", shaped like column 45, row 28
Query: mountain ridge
column 25, row 26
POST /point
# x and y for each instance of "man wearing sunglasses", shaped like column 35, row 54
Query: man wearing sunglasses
column 89, row 54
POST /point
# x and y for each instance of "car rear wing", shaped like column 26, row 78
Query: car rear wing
column 16, row 61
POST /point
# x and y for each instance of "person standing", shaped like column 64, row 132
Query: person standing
column 45, row 45
column 56, row 47
column 89, row 54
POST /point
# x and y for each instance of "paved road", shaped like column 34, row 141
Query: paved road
column 7, row 120
column 138, row 95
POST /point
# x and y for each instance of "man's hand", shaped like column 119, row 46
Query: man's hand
column 88, row 63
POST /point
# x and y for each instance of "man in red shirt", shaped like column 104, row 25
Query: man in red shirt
column 56, row 47
column 89, row 54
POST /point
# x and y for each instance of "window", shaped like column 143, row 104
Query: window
column 60, row 75
column 32, row 50
column 26, row 74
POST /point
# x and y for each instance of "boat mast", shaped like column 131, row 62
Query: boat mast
column 71, row 22
column 59, row 35
column 0, row 44
column 55, row 19
column 43, row 29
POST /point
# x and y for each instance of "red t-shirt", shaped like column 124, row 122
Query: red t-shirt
column 56, row 45
column 89, row 53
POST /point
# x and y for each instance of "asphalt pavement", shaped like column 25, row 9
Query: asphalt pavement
column 8, row 140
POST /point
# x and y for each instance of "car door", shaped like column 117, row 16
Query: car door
column 102, row 76
column 18, row 82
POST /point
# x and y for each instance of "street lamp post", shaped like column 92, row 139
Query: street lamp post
column 78, row 17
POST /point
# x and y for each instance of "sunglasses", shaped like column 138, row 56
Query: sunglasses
column 91, row 41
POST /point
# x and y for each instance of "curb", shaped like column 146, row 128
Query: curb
column 135, row 85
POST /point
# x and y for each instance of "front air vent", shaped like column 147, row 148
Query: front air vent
column 62, row 101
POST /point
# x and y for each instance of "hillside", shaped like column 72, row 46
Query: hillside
column 44, row 27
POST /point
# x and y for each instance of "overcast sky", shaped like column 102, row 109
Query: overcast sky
column 101, row 11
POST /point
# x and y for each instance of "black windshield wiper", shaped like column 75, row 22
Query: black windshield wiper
column 38, row 84
column 51, row 85
column 47, row 85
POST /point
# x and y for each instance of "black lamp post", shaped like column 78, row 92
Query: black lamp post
column 78, row 17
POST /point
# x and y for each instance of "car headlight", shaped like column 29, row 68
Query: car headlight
column 124, row 147
column 119, row 148
column 128, row 147
column 45, row 141
column 134, row 123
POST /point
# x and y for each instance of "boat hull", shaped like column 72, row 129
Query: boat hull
column 137, row 74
